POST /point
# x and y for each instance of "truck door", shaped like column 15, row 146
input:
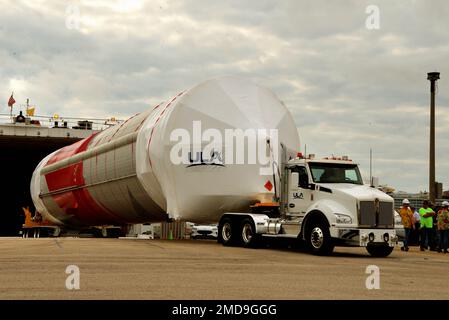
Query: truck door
column 300, row 195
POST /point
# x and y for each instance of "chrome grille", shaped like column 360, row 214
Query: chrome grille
column 367, row 214
column 386, row 217
column 372, row 217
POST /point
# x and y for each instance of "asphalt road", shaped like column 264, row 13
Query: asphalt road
column 201, row 269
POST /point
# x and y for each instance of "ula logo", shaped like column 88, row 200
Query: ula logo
column 225, row 147
column 298, row 195
column 215, row 159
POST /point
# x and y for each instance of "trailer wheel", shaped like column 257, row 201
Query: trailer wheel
column 318, row 238
column 379, row 251
column 226, row 232
column 248, row 235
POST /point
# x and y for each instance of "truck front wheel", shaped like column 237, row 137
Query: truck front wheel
column 380, row 250
column 318, row 238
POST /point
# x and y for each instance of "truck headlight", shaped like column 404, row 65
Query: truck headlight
column 343, row 218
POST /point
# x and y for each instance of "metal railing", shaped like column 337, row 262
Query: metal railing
column 80, row 123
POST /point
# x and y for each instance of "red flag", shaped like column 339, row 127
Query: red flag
column 11, row 101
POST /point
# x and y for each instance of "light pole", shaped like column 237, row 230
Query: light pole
column 432, row 77
column 370, row 166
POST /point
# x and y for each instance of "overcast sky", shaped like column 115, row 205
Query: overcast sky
column 348, row 87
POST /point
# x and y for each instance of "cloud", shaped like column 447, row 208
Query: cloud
column 349, row 88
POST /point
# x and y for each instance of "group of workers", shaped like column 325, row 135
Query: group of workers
column 431, row 225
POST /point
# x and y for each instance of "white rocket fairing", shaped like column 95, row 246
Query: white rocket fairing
column 180, row 159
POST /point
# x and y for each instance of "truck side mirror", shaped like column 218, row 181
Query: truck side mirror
column 294, row 180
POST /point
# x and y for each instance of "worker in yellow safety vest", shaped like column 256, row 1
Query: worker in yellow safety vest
column 443, row 227
column 407, row 221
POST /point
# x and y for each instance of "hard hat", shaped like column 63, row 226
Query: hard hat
column 405, row 201
column 445, row 204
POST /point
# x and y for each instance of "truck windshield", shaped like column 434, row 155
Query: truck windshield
column 335, row 173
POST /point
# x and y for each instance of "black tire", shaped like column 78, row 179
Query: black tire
column 226, row 232
column 248, row 236
column 318, row 238
column 379, row 250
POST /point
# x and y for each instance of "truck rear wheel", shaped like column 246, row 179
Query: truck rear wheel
column 379, row 251
column 318, row 238
column 226, row 234
column 248, row 233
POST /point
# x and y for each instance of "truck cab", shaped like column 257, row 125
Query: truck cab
column 325, row 204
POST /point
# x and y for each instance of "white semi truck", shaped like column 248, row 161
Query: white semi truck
column 182, row 159
column 323, row 202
